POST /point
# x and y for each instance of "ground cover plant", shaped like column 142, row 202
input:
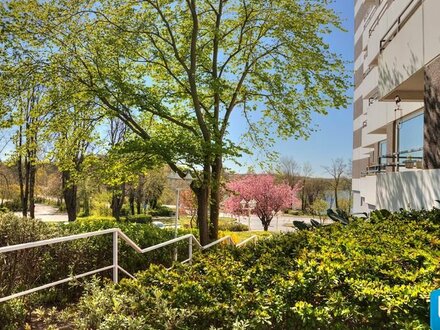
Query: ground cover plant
column 374, row 274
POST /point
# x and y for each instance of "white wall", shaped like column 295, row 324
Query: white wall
column 415, row 45
column 409, row 189
column 403, row 56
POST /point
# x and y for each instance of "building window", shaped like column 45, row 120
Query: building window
column 410, row 139
column 383, row 154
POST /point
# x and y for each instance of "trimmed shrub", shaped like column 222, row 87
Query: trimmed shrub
column 232, row 226
column 161, row 211
column 139, row 218
column 367, row 275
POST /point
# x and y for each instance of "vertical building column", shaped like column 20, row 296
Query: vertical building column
column 391, row 146
column 431, row 145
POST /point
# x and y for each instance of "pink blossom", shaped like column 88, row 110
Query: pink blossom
column 270, row 196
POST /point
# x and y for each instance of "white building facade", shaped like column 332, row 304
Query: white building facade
column 396, row 112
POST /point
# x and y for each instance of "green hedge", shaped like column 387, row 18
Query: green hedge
column 161, row 211
column 232, row 226
column 29, row 268
column 373, row 274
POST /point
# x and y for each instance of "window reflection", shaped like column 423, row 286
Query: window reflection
column 410, row 139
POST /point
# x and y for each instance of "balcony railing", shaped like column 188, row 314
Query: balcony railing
column 409, row 162
column 401, row 20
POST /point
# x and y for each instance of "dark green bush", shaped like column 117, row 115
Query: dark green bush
column 161, row 211
column 368, row 275
column 12, row 205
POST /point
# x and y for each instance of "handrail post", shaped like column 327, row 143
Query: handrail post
column 190, row 249
column 115, row 256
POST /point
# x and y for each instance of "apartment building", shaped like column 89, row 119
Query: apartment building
column 396, row 115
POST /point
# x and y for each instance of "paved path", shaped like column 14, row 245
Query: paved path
column 48, row 213
column 280, row 223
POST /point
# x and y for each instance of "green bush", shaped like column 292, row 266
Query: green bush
column 368, row 275
column 13, row 205
column 293, row 212
column 139, row 218
column 30, row 268
column 161, row 211
column 232, row 226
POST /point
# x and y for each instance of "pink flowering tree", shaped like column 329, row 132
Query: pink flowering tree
column 270, row 196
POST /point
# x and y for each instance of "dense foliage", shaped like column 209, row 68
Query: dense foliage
column 30, row 268
column 367, row 275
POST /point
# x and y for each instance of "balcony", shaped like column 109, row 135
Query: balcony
column 380, row 114
column 412, row 40
column 377, row 117
column 410, row 189
column 369, row 84
column 368, row 189
column 369, row 140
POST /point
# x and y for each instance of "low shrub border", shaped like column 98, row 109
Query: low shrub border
column 374, row 274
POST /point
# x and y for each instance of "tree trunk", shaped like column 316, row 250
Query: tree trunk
column 202, row 194
column 215, row 198
column 21, row 183
column 70, row 191
column 27, row 170
column 138, row 206
column 32, row 173
column 336, row 197
column 118, row 201
column 131, row 200
column 139, row 193
column 86, row 204
column 265, row 221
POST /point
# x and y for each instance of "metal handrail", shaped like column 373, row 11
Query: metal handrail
column 117, row 233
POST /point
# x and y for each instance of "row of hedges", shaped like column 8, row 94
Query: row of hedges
column 373, row 274
column 137, row 218
column 30, row 268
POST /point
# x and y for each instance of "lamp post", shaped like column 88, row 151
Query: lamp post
column 249, row 206
column 177, row 181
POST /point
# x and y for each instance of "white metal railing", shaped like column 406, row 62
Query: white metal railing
column 117, row 233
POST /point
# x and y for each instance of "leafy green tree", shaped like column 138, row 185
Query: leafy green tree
column 188, row 66
column 318, row 207
column 72, row 132
column 24, row 109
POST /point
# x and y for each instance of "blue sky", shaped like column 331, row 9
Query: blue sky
column 334, row 136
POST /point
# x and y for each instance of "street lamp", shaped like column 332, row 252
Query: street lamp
column 249, row 206
column 179, row 184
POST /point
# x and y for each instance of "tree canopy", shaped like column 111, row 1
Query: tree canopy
column 174, row 71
